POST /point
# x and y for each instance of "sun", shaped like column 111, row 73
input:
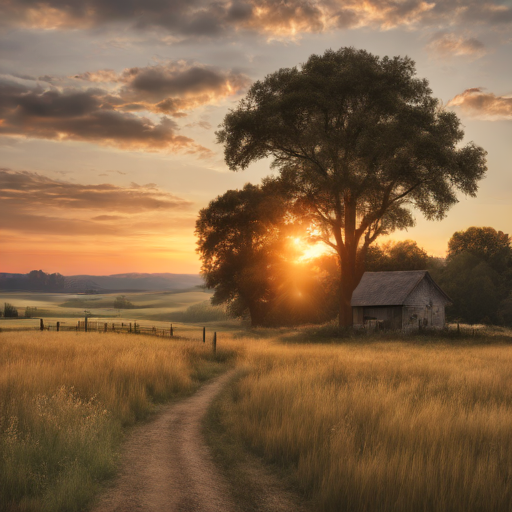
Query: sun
column 308, row 251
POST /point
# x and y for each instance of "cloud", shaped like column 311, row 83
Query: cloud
column 168, row 88
column 36, row 204
column 28, row 190
column 85, row 115
column 445, row 44
column 484, row 105
column 107, row 107
column 274, row 18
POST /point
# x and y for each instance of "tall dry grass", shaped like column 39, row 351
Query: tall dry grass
column 64, row 399
column 382, row 426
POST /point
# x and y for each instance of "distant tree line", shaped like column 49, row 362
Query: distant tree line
column 36, row 280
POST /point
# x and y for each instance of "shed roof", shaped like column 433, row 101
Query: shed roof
column 389, row 288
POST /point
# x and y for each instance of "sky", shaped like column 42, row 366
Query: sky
column 108, row 113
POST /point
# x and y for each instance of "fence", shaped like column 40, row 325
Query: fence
column 119, row 327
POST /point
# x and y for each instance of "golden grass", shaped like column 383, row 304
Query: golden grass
column 64, row 398
column 381, row 426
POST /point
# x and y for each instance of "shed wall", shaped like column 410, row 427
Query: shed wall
column 390, row 315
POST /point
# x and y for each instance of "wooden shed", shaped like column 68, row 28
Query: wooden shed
column 399, row 300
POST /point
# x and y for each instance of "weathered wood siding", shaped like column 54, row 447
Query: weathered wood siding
column 357, row 316
column 425, row 305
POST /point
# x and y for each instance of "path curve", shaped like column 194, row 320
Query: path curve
column 167, row 466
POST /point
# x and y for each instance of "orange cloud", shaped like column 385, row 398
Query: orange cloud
column 169, row 88
column 448, row 44
column 485, row 105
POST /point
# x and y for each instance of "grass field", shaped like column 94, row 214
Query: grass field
column 149, row 306
column 65, row 399
column 359, row 423
column 373, row 426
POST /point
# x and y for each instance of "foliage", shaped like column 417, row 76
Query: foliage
column 405, row 255
column 10, row 311
column 473, row 287
column 359, row 139
column 478, row 276
column 241, row 239
column 30, row 312
column 122, row 302
column 486, row 243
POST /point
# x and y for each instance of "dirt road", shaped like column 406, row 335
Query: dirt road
column 167, row 466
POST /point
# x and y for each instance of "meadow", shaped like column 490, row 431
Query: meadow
column 159, row 306
column 66, row 399
column 377, row 426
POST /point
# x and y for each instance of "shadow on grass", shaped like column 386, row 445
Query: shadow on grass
column 331, row 333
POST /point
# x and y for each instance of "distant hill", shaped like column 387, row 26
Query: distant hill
column 37, row 280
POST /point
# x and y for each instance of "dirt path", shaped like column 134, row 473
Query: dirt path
column 167, row 467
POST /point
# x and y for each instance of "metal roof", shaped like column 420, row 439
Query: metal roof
column 389, row 288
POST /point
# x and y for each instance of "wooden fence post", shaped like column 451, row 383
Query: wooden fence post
column 85, row 324
column 130, row 327
column 204, row 334
column 458, row 328
column 105, row 327
column 58, row 326
column 41, row 324
column 172, row 332
column 214, row 343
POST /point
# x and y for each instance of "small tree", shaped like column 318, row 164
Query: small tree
column 10, row 311
column 30, row 312
column 360, row 140
column 122, row 302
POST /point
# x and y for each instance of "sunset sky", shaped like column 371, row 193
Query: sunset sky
column 108, row 110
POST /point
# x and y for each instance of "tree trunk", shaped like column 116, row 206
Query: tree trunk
column 351, row 273
column 346, row 289
column 257, row 315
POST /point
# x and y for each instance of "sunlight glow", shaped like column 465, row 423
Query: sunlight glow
column 307, row 251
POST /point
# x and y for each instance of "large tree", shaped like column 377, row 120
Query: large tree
column 361, row 140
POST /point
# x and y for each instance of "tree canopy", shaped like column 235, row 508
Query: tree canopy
column 404, row 255
column 485, row 242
